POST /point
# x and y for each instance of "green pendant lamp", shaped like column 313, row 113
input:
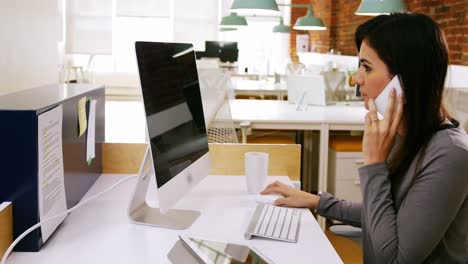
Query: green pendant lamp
column 256, row 7
column 379, row 7
column 309, row 22
column 281, row 28
column 233, row 21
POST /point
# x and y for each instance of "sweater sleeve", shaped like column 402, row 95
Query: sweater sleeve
column 410, row 235
column 336, row 209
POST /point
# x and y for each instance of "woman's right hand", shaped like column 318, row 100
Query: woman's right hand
column 292, row 196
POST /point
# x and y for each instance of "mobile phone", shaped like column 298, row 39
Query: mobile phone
column 382, row 99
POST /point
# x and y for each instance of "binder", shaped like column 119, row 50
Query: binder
column 19, row 114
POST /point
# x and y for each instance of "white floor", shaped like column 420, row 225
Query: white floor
column 125, row 121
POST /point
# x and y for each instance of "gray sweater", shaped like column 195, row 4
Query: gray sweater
column 401, row 222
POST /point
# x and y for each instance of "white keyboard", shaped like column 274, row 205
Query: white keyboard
column 274, row 222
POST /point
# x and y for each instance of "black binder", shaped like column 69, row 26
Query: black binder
column 19, row 151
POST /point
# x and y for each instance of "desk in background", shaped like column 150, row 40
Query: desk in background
column 272, row 114
column 259, row 88
column 100, row 231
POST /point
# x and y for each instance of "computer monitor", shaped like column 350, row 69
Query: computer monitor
column 307, row 89
column 224, row 50
column 177, row 154
column 213, row 48
column 228, row 55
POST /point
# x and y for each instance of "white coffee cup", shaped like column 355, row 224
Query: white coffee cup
column 256, row 171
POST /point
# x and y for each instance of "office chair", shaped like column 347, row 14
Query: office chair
column 295, row 68
column 221, row 129
column 216, row 89
column 351, row 232
column 216, row 85
column 335, row 81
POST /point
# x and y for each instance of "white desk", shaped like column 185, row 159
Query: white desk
column 272, row 114
column 261, row 88
column 100, row 232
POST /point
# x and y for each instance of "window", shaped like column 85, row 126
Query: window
column 261, row 51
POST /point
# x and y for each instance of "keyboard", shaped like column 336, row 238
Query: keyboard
column 274, row 222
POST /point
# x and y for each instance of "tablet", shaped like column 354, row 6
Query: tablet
column 214, row 252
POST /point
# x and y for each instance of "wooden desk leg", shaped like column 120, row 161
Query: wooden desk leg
column 323, row 165
column 307, row 161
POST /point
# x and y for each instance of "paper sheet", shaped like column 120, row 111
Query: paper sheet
column 52, row 199
column 82, row 123
column 90, row 142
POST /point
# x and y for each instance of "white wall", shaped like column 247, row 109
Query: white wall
column 260, row 50
column 195, row 22
column 457, row 76
column 29, row 33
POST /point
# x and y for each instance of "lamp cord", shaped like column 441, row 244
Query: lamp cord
column 25, row 233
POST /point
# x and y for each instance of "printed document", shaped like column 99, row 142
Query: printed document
column 52, row 199
column 82, row 123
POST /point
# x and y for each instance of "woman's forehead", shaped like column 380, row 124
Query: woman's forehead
column 366, row 52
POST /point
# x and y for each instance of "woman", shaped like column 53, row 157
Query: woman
column 415, row 179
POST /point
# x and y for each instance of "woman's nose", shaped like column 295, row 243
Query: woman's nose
column 357, row 78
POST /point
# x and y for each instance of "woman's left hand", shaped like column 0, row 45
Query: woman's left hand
column 379, row 135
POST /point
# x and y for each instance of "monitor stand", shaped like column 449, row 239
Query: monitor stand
column 141, row 213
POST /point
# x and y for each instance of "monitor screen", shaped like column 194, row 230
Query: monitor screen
column 218, row 45
column 173, row 106
column 224, row 50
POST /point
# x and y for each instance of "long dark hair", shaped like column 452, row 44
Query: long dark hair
column 414, row 47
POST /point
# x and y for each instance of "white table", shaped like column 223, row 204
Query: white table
column 100, row 232
column 272, row 114
column 260, row 88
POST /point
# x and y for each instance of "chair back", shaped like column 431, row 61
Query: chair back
column 284, row 159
